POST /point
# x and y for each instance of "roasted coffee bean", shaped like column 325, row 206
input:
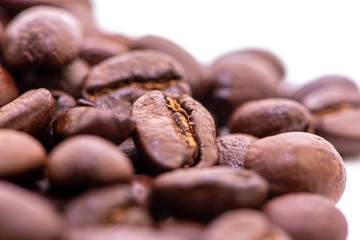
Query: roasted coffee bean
column 128, row 147
column 340, row 127
column 68, row 79
column 129, row 76
column 141, row 185
column 239, row 224
column 307, row 216
column 202, row 194
column 328, row 92
column 193, row 68
column 31, row 112
column 95, row 121
column 238, row 81
column 298, row 162
column 267, row 117
column 26, row 215
column 233, row 148
column 173, row 132
column 116, row 233
column 189, row 230
column 22, row 156
column 8, row 88
column 63, row 101
column 96, row 50
column 112, row 205
column 42, row 37
column 86, row 160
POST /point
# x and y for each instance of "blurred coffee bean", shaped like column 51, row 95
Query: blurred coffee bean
column 233, row 148
column 31, row 112
column 238, row 80
column 112, row 205
column 95, row 121
column 298, row 162
column 22, row 156
column 126, row 77
column 193, row 68
column 26, row 215
column 173, row 132
column 8, row 88
column 128, row 147
column 327, row 92
column 95, row 50
column 239, row 224
column 185, row 193
column 87, row 160
column 189, row 230
column 307, row 216
column 267, row 117
column 42, row 37
column 141, row 186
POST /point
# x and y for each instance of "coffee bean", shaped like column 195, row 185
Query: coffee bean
column 8, row 88
column 233, row 148
column 96, row 50
column 193, row 68
column 298, row 162
column 189, row 230
column 202, row 194
column 22, row 156
column 128, row 147
column 42, row 37
column 63, row 101
column 173, row 132
column 31, row 112
column 141, row 185
column 340, row 127
column 91, row 120
column 112, row 205
column 328, row 92
column 87, row 160
column 25, row 215
column 239, row 224
column 307, row 216
column 267, row 117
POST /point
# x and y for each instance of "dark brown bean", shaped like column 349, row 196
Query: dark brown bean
column 173, row 132
column 192, row 67
column 86, row 160
column 233, row 148
column 96, row 50
column 239, row 224
column 22, row 156
column 63, row 101
column 341, row 128
column 31, row 112
column 128, row 147
column 298, row 162
column 267, row 117
column 185, row 193
column 25, row 215
column 307, row 216
column 42, row 36
column 113, row 205
column 8, row 88
column 91, row 120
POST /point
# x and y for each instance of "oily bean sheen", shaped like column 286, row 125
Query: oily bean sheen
column 8, row 88
column 239, row 224
column 132, row 74
column 105, row 206
column 25, row 215
column 174, row 132
column 266, row 117
column 298, row 162
column 31, row 112
column 22, row 156
column 307, row 216
column 233, row 149
column 86, row 160
column 42, row 37
column 185, row 193
column 92, row 120
column 341, row 128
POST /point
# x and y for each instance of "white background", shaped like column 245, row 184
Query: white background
column 312, row 37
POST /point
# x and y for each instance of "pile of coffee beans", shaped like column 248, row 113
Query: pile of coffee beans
column 104, row 136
